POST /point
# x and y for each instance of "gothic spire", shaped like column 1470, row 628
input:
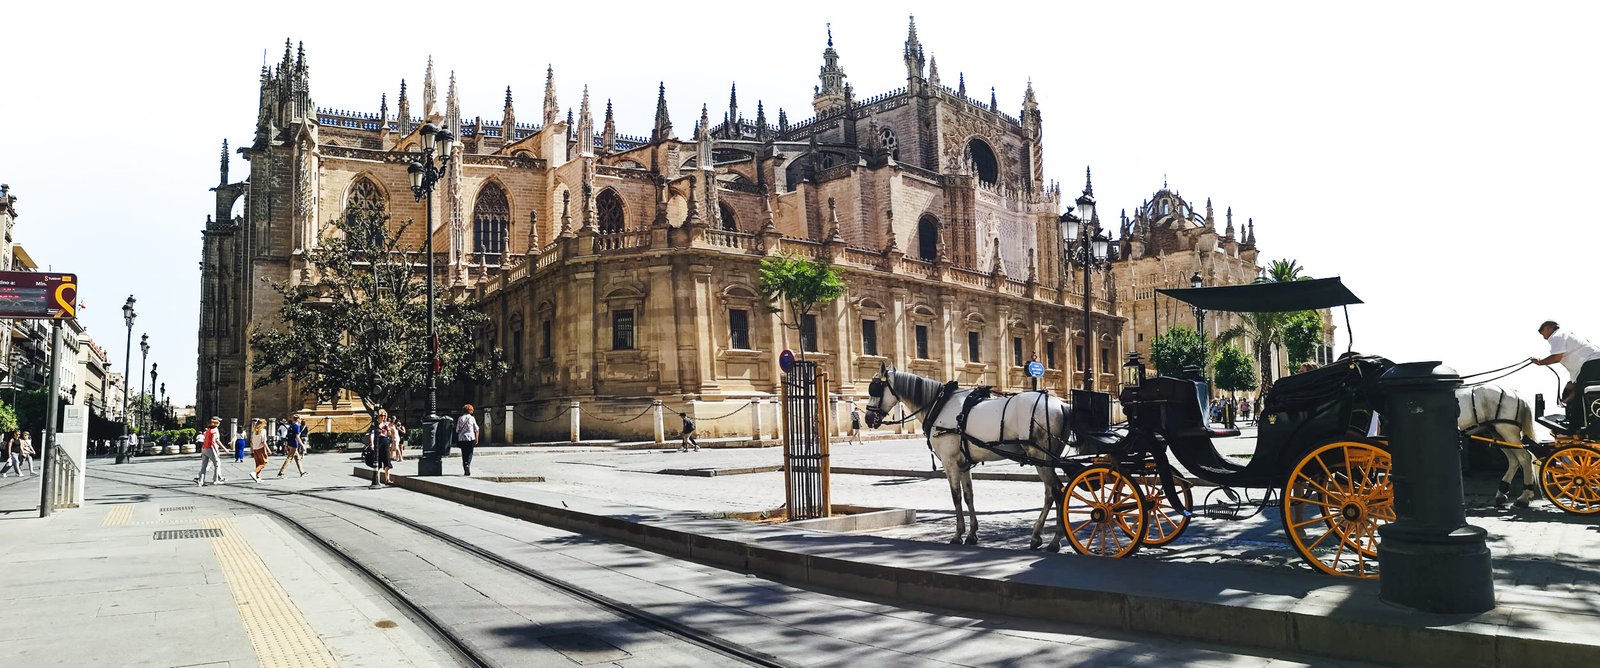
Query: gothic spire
column 403, row 111
column 913, row 54
column 994, row 102
column 1211, row 220
column 1250, row 239
column 429, row 92
column 508, row 121
column 961, row 85
column 608, row 136
column 731, row 129
column 831, row 92
column 783, row 120
column 761, row 121
column 933, row 71
column 1029, row 102
column 224, row 180
column 663, row 129
column 1088, row 181
column 1229, row 233
column 552, row 111
column 702, row 128
column 452, row 108
column 585, row 125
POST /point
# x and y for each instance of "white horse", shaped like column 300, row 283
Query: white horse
column 1494, row 409
column 1030, row 427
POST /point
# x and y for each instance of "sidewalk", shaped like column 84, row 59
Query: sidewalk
column 106, row 585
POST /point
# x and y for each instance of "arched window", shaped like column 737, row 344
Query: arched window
column 609, row 207
column 364, row 199
column 491, row 215
column 729, row 223
column 928, row 238
column 890, row 144
column 983, row 161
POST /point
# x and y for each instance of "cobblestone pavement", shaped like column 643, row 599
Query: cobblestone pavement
column 1538, row 546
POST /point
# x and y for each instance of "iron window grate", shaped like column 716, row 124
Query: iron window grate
column 178, row 534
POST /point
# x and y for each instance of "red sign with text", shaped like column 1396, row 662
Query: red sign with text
column 32, row 294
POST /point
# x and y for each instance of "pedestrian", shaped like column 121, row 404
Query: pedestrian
column 11, row 447
column 382, row 442
column 208, row 455
column 466, row 437
column 240, row 444
column 27, row 453
column 283, row 438
column 258, row 447
column 399, row 428
column 293, row 446
column 688, row 435
column 855, row 425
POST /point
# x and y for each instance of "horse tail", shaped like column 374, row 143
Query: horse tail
column 1525, row 420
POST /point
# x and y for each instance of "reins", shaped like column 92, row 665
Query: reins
column 1515, row 367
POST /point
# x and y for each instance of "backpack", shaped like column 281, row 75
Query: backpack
column 688, row 426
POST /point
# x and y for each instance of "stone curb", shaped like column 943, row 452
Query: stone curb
column 1270, row 610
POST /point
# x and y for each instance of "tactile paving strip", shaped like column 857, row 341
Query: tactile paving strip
column 278, row 632
column 118, row 515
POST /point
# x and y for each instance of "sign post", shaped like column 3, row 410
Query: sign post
column 32, row 295
column 1035, row 370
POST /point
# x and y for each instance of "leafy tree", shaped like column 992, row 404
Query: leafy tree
column 1177, row 349
column 8, row 418
column 1235, row 371
column 360, row 323
column 1283, row 271
column 1302, row 335
column 1266, row 331
column 794, row 286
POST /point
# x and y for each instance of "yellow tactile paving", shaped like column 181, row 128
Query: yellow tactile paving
column 118, row 515
column 278, row 632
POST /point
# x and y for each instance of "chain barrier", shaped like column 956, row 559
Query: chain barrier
column 524, row 416
column 641, row 414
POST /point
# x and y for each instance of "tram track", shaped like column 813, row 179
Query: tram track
column 457, row 644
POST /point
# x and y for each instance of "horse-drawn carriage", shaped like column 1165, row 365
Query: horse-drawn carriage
column 1312, row 458
column 1570, row 474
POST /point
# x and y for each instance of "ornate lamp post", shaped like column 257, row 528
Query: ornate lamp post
column 144, row 354
column 1196, row 281
column 150, row 408
column 127, row 319
column 1088, row 250
column 425, row 175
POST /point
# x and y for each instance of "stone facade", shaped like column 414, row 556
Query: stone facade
column 622, row 270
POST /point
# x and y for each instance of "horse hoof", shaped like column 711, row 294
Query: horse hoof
column 1500, row 501
column 955, row 541
column 1053, row 548
column 972, row 540
column 1034, row 544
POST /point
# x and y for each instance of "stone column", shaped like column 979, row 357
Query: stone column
column 327, row 424
column 755, row 419
column 659, row 425
column 510, row 423
column 575, row 435
column 488, row 425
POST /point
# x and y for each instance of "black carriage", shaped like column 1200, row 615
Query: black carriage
column 1570, row 475
column 1313, row 456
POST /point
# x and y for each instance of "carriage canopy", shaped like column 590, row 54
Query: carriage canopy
column 1267, row 297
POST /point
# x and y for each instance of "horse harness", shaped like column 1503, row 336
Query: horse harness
column 1495, row 418
column 977, row 396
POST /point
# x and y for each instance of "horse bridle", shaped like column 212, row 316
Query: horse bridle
column 885, row 386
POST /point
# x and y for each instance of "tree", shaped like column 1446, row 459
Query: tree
column 8, row 419
column 360, row 323
column 1283, row 271
column 1267, row 330
column 1177, row 349
column 1302, row 334
column 1235, row 371
column 795, row 285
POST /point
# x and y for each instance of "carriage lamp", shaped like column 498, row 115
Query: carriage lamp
column 1133, row 370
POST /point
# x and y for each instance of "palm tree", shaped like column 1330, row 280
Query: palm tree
column 1265, row 330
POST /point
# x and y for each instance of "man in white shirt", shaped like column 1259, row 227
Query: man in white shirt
column 1581, row 359
column 466, row 437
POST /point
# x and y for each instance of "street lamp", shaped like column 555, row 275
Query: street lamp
column 150, row 408
column 1087, row 249
column 425, row 174
column 127, row 319
column 144, row 354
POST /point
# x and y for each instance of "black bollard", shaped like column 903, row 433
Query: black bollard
column 1432, row 559
column 433, row 450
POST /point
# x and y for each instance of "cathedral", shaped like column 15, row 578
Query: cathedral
column 620, row 270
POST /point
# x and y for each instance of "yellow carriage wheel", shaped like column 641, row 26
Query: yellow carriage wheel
column 1166, row 523
column 1571, row 480
column 1333, row 503
column 1103, row 513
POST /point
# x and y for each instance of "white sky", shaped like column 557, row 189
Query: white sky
column 1435, row 155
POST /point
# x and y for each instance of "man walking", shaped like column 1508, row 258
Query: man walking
column 1581, row 359
column 688, row 435
column 293, row 447
column 208, row 455
column 12, row 445
column 466, row 437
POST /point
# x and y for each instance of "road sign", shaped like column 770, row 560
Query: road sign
column 1035, row 368
column 786, row 360
column 32, row 294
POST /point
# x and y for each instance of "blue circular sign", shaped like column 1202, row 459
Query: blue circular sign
column 786, row 360
column 1035, row 368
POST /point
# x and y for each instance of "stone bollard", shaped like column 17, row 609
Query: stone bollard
column 660, row 427
column 488, row 426
column 327, row 425
column 833, row 414
column 1432, row 560
column 272, row 429
column 755, row 419
column 575, row 435
column 509, row 426
column 233, row 433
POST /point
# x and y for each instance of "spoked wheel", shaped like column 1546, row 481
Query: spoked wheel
column 1166, row 523
column 1336, row 498
column 1103, row 514
column 1571, row 480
